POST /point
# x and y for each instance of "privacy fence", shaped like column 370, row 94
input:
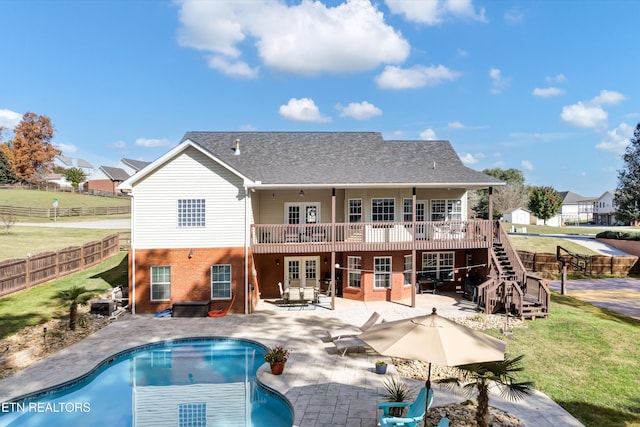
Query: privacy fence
column 19, row 274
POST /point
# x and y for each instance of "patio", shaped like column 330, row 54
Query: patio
column 324, row 388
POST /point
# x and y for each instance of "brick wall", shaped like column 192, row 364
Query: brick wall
column 190, row 277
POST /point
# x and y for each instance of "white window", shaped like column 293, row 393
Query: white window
column 407, row 270
column 191, row 213
column 221, row 281
column 407, row 210
column 354, row 267
column 192, row 414
column 160, row 283
column 438, row 265
column 446, row 210
column 355, row 210
column 382, row 210
column 382, row 272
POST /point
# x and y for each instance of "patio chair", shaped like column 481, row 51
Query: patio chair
column 415, row 414
column 309, row 294
column 349, row 343
column 352, row 331
column 284, row 294
column 444, row 422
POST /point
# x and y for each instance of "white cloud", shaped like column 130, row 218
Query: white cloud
column 120, row 144
column 591, row 114
column 584, row 116
column 235, row 68
column 468, row 159
column 608, row 97
column 435, row 11
column 152, row 143
column 428, row 135
column 461, row 52
column 547, row 92
column 9, row 119
column 415, row 77
column 498, row 82
column 526, row 165
column 306, row 38
column 302, row 110
column 66, row 148
column 359, row 110
column 514, row 16
column 559, row 78
column 456, row 125
column 617, row 139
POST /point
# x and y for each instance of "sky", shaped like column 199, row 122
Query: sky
column 547, row 87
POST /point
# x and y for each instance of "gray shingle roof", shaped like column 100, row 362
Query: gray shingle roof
column 328, row 158
column 114, row 174
column 135, row 164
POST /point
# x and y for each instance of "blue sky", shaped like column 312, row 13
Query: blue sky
column 547, row 87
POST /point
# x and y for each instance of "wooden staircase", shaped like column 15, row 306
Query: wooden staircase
column 509, row 288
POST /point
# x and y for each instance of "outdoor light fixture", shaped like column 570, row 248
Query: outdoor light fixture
column 191, row 254
column 301, row 193
column 277, row 261
column 326, row 261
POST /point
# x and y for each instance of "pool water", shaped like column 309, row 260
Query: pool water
column 181, row 383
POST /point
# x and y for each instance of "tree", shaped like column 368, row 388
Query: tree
column 627, row 197
column 7, row 175
column 478, row 377
column 75, row 176
column 544, row 202
column 511, row 196
column 31, row 146
column 74, row 296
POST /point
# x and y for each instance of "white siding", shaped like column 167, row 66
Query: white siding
column 190, row 175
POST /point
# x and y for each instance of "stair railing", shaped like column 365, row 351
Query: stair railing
column 516, row 263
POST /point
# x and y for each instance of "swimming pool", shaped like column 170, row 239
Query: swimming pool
column 180, row 383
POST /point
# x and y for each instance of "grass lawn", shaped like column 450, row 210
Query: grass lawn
column 44, row 199
column 37, row 305
column 586, row 359
column 22, row 240
column 547, row 245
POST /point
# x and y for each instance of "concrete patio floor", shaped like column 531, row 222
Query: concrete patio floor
column 324, row 388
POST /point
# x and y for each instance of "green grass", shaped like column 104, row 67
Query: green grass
column 546, row 229
column 44, row 199
column 547, row 245
column 586, row 359
column 37, row 305
column 21, row 241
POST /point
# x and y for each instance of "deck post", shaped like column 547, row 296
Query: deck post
column 413, row 249
column 333, row 249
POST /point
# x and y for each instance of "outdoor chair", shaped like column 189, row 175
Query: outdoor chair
column 349, row 343
column 444, row 422
column 351, row 331
column 416, row 412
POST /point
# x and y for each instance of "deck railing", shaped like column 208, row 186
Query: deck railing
column 272, row 238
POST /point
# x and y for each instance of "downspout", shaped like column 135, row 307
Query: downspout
column 133, row 256
column 413, row 249
column 491, row 204
column 333, row 249
column 246, row 250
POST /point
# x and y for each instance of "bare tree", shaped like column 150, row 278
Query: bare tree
column 8, row 220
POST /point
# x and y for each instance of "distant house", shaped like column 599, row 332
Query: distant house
column 517, row 216
column 105, row 179
column 58, row 179
column 71, row 162
column 604, row 209
column 575, row 209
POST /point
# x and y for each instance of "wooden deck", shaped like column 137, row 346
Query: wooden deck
column 387, row 236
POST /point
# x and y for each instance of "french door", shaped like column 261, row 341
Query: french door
column 302, row 271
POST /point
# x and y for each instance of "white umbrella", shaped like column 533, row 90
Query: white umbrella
column 434, row 339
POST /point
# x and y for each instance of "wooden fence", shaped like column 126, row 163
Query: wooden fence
column 62, row 212
column 19, row 274
column 598, row 264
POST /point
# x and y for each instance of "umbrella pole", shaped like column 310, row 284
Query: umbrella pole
column 428, row 387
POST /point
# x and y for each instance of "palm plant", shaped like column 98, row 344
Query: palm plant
column 74, row 296
column 480, row 377
column 396, row 391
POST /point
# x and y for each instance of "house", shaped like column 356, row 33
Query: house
column 71, row 162
column 575, row 209
column 105, row 179
column 517, row 216
column 227, row 214
column 604, row 209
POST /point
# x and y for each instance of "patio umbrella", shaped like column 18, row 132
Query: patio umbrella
column 434, row 339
